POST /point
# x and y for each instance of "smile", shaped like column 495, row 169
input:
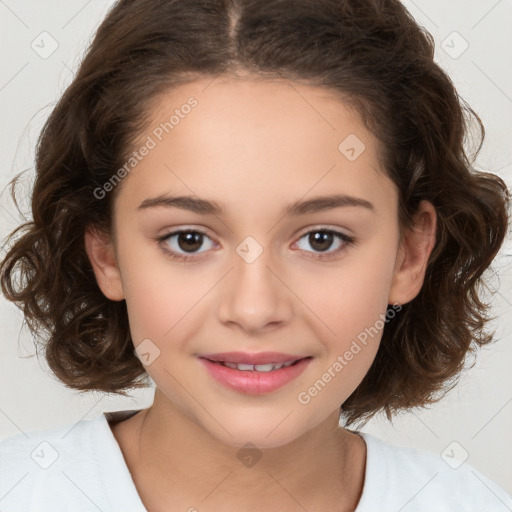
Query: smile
column 255, row 379
column 256, row 367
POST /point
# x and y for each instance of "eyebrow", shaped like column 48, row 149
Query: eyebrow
column 207, row 207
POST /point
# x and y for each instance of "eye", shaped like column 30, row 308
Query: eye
column 321, row 240
column 183, row 244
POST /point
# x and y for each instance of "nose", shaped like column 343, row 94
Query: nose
column 255, row 297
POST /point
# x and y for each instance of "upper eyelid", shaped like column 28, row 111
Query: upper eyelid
column 319, row 227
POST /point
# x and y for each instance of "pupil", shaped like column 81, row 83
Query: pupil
column 190, row 241
column 319, row 239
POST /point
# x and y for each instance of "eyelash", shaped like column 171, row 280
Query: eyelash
column 348, row 241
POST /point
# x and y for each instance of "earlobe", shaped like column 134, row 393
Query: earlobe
column 100, row 250
column 413, row 255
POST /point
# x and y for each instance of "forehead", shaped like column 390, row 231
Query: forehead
column 245, row 140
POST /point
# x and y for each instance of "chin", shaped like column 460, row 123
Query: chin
column 262, row 430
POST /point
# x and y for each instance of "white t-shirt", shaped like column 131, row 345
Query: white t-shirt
column 80, row 468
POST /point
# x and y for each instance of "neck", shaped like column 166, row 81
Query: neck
column 173, row 461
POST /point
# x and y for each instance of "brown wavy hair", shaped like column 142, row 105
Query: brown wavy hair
column 378, row 59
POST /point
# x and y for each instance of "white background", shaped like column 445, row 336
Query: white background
column 477, row 414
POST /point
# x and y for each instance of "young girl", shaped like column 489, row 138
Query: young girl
column 266, row 208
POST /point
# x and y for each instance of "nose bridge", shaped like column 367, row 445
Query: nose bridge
column 254, row 296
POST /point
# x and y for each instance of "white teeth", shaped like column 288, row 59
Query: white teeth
column 267, row 367
column 257, row 367
column 242, row 366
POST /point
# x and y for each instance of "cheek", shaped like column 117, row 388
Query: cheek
column 351, row 297
column 349, row 306
column 156, row 305
column 158, row 293
column 352, row 310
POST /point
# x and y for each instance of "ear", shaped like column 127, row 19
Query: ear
column 100, row 250
column 413, row 254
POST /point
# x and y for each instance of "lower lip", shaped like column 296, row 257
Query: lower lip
column 253, row 382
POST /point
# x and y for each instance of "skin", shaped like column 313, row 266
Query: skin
column 255, row 146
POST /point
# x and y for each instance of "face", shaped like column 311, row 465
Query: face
column 248, row 273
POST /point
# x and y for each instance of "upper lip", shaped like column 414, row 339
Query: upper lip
column 252, row 357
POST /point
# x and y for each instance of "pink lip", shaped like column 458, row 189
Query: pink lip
column 253, row 382
column 252, row 357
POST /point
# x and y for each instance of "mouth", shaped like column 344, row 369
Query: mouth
column 269, row 367
column 255, row 379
